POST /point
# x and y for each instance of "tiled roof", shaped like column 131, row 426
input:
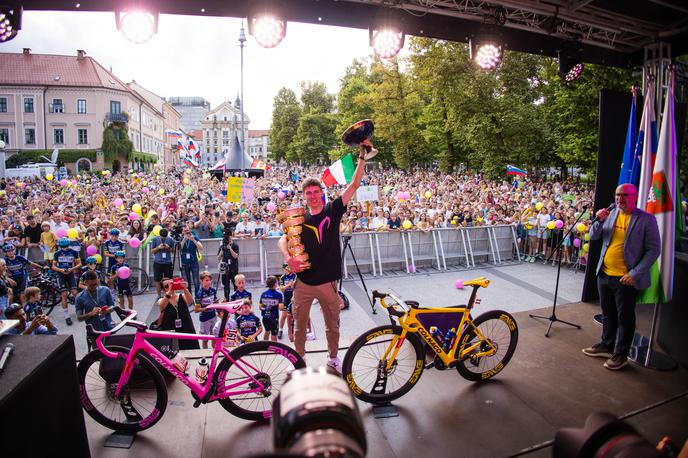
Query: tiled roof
column 197, row 134
column 54, row 70
column 258, row 133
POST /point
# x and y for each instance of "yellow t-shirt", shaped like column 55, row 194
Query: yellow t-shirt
column 614, row 264
column 49, row 239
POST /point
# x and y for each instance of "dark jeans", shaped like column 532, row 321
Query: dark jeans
column 227, row 280
column 190, row 273
column 618, row 313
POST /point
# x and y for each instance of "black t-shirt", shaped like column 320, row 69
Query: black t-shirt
column 320, row 236
column 232, row 263
column 33, row 233
column 229, row 227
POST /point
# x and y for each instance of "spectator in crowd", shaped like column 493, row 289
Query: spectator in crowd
column 41, row 325
column 162, row 247
column 228, row 256
column 190, row 249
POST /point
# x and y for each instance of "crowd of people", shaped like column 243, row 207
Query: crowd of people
column 76, row 224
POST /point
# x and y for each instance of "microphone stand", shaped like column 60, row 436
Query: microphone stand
column 553, row 317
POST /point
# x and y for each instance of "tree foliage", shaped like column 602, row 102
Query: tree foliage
column 285, row 120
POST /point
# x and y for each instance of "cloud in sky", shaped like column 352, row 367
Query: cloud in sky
column 200, row 56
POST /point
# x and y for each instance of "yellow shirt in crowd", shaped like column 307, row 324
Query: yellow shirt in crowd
column 49, row 239
column 614, row 264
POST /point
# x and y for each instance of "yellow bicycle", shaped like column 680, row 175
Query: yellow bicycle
column 384, row 363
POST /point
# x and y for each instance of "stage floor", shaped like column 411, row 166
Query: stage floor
column 547, row 385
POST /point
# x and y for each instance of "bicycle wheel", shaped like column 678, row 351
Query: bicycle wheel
column 142, row 401
column 139, row 281
column 500, row 329
column 264, row 362
column 364, row 369
column 50, row 297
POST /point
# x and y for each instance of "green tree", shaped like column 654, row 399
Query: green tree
column 314, row 139
column 315, row 98
column 109, row 145
column 285, row 121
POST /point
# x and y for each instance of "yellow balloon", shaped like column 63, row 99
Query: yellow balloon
column 529, row 226
column 428, row 194
column 580, row 227
column 136, row 208
column 586, row 246
column 538, row 206
column 144, row 183
column 161, row 192
column 551, row 225
column 72, row 233
column 186, row 181
column 18, row 184
column 99, row 258
column 587, row 237
column 157, row 229
column 453, row 222
column 407, row 224
column 78, row 177
column 49, row 177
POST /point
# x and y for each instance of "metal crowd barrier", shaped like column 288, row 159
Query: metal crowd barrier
column 376, row 252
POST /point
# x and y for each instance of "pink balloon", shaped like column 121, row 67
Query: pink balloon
column 117, row 202
column 271, row 207
column 63, row 182
column 459, row 284
column 576, row 243
column 144, row 190
column 134, row 242
column 61, row 233
column 91, row 250
column 177, row 181
column 559, row 224
column 281, row 195
column 412, row 269
column 133, row 216
column 124, row 272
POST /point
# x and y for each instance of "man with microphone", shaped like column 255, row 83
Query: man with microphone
column 630, row 245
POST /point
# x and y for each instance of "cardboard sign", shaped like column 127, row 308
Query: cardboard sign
column 367, row 193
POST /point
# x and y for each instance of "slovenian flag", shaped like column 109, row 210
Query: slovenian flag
column 189, row 162
column 341, row 172
column 646, row 148
column 180, row 146
column 173, row 133
column 511, row 170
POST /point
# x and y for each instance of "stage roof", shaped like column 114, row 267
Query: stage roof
column 609, row 32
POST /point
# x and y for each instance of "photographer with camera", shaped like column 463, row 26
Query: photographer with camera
column 228, row 255
column 40, row 325
column 174, row 311
column 162, row 248
column 189, row 249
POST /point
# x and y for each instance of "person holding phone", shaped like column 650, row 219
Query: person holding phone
column 174, row 311
column 94, row 304
column 162, row 248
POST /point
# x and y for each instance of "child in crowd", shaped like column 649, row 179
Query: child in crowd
column 248, row 324
column 122, row 284
column 91, row 264
column 111, row 247
column 206, row 295
column 270, row 303
column 32, row 307
column 287, row 281
column 240, row 292
column 48, row 241
column 231, row 338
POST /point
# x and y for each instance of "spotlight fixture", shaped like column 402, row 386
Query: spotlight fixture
column 137, row 26
column 386, row 41
column 267, row 25
column 485, row 53
column 10, row 21
column 570, row 66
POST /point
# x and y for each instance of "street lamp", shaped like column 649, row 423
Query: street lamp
column 242, row 41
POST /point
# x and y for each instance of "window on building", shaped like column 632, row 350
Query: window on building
column 81, row 106
column 5, row 136
column 56, row 106
column 58, row 136
column 30, row 136
column 28, row 104
column 115, row 107
column 3, row 104
column 82, row 136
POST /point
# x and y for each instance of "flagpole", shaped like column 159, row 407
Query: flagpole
column 242, row 41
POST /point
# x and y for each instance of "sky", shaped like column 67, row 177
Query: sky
column 200, row 56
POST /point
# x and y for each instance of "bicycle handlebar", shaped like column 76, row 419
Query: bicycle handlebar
column 391, row 309
column 125, row 315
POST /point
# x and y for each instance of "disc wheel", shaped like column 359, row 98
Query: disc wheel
column 139, row 281
column 261, row 364
column 141, row 403
column 364, row 368
column 500, row 331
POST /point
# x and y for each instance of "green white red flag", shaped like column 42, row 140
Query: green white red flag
column 341, row 172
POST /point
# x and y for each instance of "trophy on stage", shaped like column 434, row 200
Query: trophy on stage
column 357, row 132
column 291, row 221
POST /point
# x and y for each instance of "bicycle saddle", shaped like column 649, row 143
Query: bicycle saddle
column 480, row 281
column 229, row 307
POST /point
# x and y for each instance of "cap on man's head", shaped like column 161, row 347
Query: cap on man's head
column 12, row 309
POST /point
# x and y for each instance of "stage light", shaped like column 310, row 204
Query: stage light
column 485, row 53
column 386, row 42
column 570, row 66
column 137, row 26
column 10, row 21
column 268, row 29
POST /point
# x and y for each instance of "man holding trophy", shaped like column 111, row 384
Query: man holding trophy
column 311, row 247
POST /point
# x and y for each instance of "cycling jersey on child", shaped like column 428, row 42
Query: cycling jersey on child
column 270, row 301
column 248, row 324
column 205, row 298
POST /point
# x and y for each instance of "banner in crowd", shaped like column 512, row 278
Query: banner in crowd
column 240, row 189
column 367, row 193
column 662, row 203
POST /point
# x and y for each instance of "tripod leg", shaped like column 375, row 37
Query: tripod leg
column 360, row 275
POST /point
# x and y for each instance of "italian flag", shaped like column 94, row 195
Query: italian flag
column 341, row 172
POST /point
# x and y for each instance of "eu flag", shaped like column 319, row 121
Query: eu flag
column 630, row 165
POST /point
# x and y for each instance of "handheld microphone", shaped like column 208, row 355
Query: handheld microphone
column 610, row 208
column 9, row 348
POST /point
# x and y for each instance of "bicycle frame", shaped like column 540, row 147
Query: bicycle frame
column 202, row 391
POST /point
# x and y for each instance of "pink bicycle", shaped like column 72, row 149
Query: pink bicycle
column 123, row 390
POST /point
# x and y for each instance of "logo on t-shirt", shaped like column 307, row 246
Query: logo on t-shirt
column 319, row 230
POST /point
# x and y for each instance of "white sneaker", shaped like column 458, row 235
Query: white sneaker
column 335, row 363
